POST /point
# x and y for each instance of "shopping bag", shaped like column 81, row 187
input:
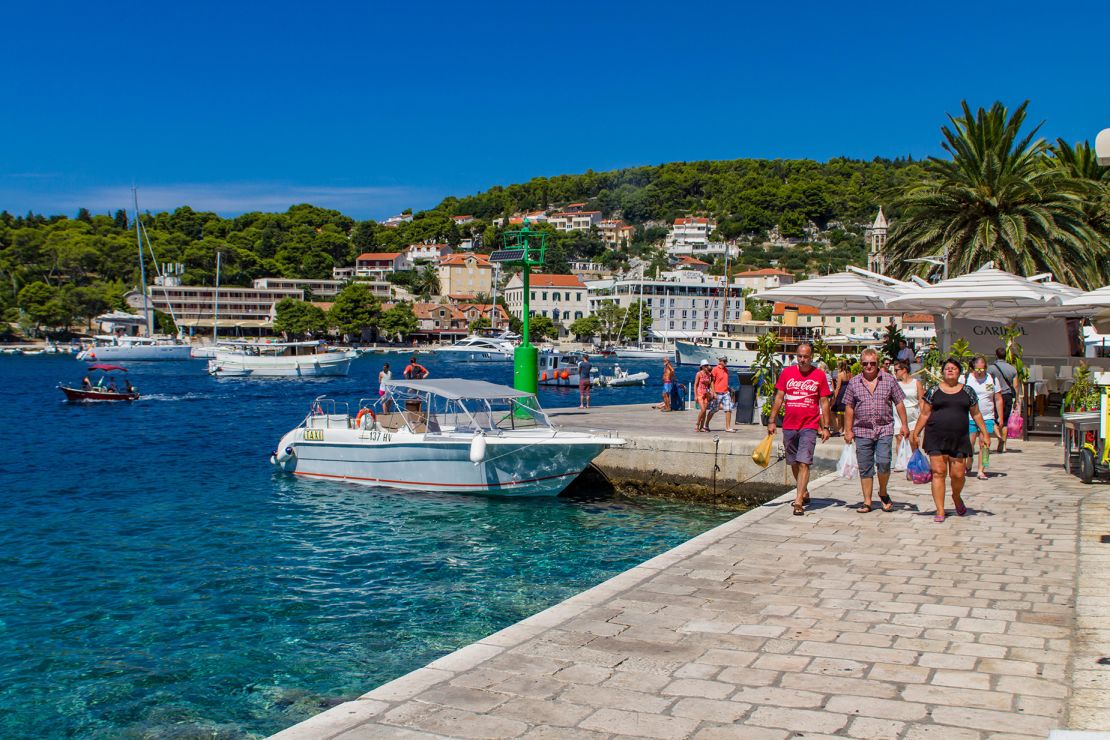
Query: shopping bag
column 847, row 467
column 1015, row 425
column 761, row 455
column 902, row 458
column 917, row 469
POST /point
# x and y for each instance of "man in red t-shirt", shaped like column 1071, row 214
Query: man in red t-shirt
column 804, row 389
column 722, row 396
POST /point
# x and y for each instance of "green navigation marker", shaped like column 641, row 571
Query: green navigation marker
column 527, row 249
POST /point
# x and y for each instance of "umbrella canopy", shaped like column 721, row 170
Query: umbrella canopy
column 985, row 293
column 1095, row 298
column 842, row 292
column 107, row 368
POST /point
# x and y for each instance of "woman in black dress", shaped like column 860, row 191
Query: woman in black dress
column 944, row 412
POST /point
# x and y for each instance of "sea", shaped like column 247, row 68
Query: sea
column 158, row 578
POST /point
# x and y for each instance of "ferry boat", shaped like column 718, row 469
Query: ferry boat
column 446, row 435
column 240, row 359
column 478, row 349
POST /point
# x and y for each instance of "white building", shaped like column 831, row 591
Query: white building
column 683, row 303
column 764, row 279
column 460, row 220
column 574, row 220
column 319, row 288
column 689, row 237
column 416, row 254
column 562, row 298
column 401, row 218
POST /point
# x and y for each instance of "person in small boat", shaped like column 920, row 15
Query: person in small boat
column 112, row 387
column 414, row 370
column 86, row 384
column 128, row 388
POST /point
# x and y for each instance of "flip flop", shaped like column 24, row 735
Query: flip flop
column 939, row 518
column 983, row 476
column 888, row 505
column 799, row 509
column 961, row 510
column 865, row 509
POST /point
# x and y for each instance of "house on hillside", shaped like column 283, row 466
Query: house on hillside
column 417, row 254
column 574, row 220
column 466, row 273
column 615, row 233
column 379, row 264
column 764, row 279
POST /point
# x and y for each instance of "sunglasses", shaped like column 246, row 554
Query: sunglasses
column 869, row 364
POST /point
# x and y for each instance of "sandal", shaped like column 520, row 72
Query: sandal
column 865, row 509
column 939, row 518
column 888, row 505
column 961, row 510
column 799, row 509
column 983, row 476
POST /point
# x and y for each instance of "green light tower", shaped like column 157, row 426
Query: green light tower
column 525, row 248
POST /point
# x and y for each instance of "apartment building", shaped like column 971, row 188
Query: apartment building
column 194, row 306
column 615, row 233
column 857, row 326
column 562, row 298
column 378, row 264
column 683, row 303
column 465, row 273
column 574, row 220
column 764, row 279
column 417, row 254
column 325, row 289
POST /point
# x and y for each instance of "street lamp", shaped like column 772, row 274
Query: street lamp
column 527, row 249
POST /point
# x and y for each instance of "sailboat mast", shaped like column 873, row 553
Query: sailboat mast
column 216, row 313
column 724, row 309
column 640, row 324
column 142, row 266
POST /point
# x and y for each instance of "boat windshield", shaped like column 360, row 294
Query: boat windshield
column 427, row 412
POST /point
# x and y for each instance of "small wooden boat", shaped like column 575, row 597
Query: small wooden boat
column 99, row 391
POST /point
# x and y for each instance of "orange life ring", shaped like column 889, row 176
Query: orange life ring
column 362, row 413
column 543, row 375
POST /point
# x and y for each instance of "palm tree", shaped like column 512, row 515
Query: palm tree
column 1081, row 162
column 998, row 199
column 427, row 282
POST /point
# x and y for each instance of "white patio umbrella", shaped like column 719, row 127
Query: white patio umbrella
column 1095, row 303
column 991, row 294
column 855, row 292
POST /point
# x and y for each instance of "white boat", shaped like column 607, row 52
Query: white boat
column 444, row 435
column 108, row 348
column 203, row 351
column 739, row 352
column 478, row 349
column 644, row 352
column 558, row 368
column 620, row 377
column 238, row 359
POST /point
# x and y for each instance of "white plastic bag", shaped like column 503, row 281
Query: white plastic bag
column 847, row 467
column 902, row 458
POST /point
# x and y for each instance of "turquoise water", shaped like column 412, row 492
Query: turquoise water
column 157, row 578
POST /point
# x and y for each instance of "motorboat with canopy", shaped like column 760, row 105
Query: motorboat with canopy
column 279, row 359
column 101, row 390
column 446, row 435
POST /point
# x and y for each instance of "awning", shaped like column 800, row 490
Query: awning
column 226, row 324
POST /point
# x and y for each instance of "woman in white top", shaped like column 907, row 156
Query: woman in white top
column 914, row 392
column 990, row 403
column 384, row 377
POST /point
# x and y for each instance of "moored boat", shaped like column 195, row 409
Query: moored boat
column 478, row 349
column 239, row 359
column 447, row 435
column 558, row 368
column 107, row 348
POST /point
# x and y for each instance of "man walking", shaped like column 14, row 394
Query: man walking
column 804, row 389
column 668, row 384
column 905, row 354
column 872, row 399
column 722, row 396
column 1004, row 375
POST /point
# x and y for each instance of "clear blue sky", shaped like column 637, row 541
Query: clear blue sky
column 372, row 107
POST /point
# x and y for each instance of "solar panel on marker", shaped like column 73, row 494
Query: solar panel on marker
column 507, row 255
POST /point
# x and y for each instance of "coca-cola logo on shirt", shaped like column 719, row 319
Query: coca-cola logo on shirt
column 808, row 385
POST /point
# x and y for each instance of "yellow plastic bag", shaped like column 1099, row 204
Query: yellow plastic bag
column 761, row 456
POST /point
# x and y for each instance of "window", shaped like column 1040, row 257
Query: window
column 533, row 296
column 838, row 319
column 545, row 295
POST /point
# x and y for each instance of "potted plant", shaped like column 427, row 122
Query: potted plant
column 1083, row 394
column 767, row 366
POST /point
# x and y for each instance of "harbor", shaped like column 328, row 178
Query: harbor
column 831, row 624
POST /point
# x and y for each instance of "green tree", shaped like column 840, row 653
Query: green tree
column 355, row 310
column 39, row 302
column 398, row 322
column 610, row 316
column 480, row 324
column 426, row 283
column 587, row 326
column 164, row 323
column 997, row 200
column 298, row 318
column 542, row 327
column 632, row 329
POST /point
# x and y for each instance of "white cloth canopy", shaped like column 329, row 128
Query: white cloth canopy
column 855, row 292
column 1097, row 304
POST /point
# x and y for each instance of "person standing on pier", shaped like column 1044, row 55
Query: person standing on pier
column 668, row 384
column 722, row 395
column 872, row 399
column 584, row 381
column 804, row 390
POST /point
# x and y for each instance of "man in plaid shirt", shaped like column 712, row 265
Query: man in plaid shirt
column 870, row 401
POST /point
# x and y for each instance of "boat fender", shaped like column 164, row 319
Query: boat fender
column 285, row 454
column 543, row 375
column 565, row 375
column 364, row 413
column 478, row 449
column 273, row 458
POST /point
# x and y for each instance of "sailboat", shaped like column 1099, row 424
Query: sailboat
column 642, row 351
column 122, row 348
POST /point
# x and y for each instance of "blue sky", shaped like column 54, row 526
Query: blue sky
column 374, row 107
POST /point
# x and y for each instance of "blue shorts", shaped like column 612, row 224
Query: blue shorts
column 799, row 444
column 973, row 428
column 872, row 454
column 667, row 387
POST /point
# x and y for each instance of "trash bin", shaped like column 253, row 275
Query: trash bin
column 745, row 397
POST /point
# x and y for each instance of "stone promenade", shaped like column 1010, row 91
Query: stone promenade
column 835, row 624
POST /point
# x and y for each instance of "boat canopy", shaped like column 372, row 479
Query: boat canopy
column 107, row 368
column 456, row 389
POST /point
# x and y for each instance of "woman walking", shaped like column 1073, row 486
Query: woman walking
column 913, row 391
column 843, row 375
column 703, row 394
column 944, row 412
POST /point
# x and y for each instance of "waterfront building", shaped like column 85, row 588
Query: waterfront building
column 876, row 244
column 765, row 279
column 919, row 328
column 683, row 303
column 194, row 306
column 562, row 298
column 836, row 324
column 318, row 288
column 574, row 220
column 615, row 233
column 466, row 273
column 379, row 264
column 417, row 254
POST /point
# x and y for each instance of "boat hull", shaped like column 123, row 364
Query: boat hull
column 77, row 394
column 309, row 366
column 689, row 353
column 643, row 354
column 525, row 467
column 136, row 353
column 454, row 355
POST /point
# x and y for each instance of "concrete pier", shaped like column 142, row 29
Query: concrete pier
column 666, row 456
column 834, row 624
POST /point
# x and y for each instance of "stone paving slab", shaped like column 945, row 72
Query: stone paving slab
column 835, row 624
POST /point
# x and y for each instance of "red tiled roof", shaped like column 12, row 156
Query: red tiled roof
column 378, row 256
column 760, row 273
column 687, row 260
column 781, row 307
column 917, row 318
column 459, row 218
column 690, row 220
column 460, row 259
column 555, row 281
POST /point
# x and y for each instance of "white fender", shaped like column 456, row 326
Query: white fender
column 284, row 455
column 478, row 449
